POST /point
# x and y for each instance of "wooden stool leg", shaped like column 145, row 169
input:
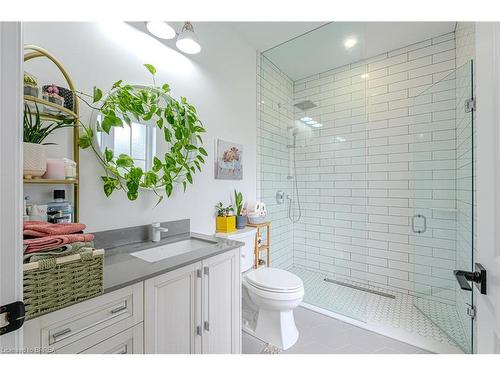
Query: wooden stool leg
column 256, row 249
column 268, row 246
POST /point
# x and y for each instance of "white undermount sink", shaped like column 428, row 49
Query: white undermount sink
column 161, row 252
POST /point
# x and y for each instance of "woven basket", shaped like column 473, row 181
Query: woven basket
column 51, row 284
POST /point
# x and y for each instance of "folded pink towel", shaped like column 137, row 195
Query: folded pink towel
column 54, row 242
column 42, row 228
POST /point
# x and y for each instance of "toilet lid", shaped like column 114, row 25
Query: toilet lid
column 274, row 279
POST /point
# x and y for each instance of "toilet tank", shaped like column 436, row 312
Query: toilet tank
column 247, row 252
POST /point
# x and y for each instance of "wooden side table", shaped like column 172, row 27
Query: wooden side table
column 262, row 247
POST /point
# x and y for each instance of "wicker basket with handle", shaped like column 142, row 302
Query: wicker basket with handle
column 53, row 283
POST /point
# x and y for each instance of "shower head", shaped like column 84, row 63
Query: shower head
column 304, row 105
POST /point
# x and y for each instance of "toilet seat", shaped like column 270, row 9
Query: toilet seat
column 273, row 280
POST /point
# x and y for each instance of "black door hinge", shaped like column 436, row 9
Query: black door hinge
column 14, row 315
column 470, row 105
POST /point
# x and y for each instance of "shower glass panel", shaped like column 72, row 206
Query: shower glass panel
column 313, row 150
column 442, row 222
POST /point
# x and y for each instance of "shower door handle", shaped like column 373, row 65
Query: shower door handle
column 413, row 228
column 478, row 277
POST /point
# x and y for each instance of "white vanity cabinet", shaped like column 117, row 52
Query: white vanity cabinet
column 90, row 324
column 195, row 309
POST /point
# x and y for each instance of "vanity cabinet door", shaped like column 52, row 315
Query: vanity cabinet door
column 172, row 311
column 222, row 304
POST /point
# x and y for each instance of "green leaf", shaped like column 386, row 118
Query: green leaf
column 184, row 185
column 202, row 151
column 157, row 164
column 84, row 141
column 116, row 84
column 97, row 94
column 132, row 195
column 189, row 178
column 159, row 122
column 108, row 155
column 110, row 185
column 151, row 68
column 106, row 124
column 168, row 189
column 124, row 161
column 151, row 179
column 166, row 87
column 135, row 173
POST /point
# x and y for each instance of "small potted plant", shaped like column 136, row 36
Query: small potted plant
column 225, row 222
column 30, row 85
column 51, row 94
column 34, row 133
column 241, row 219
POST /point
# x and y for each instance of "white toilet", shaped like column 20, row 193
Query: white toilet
column 269, row 297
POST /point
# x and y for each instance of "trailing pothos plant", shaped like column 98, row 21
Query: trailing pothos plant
column 178, row 121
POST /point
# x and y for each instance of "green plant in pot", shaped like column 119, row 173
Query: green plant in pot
column 225, row 222
column 177, row 121
column 30, row 85
column 241, row 219
column 35, row 131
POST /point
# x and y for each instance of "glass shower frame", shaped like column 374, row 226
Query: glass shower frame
column 443, row 228
column 353, row 301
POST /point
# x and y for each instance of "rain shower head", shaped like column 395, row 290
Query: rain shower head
column 305, row 105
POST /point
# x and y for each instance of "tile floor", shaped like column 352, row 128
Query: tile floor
column 407, row 315
column 320, row 334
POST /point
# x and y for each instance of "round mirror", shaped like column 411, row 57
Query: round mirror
column 142, row 140
column 137, row 140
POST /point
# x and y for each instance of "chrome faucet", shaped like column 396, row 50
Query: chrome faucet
column 155, row 232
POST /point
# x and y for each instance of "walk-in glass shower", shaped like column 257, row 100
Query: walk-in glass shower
column 366, row 167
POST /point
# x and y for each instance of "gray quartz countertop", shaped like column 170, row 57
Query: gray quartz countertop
column 122, row 269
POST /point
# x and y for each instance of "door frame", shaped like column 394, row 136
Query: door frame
column 488, row 183
column 11, row 161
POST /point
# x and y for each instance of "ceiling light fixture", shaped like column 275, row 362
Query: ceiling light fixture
column 317, row 125
column 187, row 41
column 350, row 42
column 161, row 29
column 365, row 76
column 305, row 119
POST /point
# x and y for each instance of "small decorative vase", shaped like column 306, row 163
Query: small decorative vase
column 35, row 160
column 241, row 222
column 31, row 90
column 225, row 224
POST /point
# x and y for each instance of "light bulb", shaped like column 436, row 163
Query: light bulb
column 187, row 41
column 350, row 42
column 160, row 29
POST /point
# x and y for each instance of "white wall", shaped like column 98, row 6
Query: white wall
column 220, row 82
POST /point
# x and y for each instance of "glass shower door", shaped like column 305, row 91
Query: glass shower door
column 441, row 228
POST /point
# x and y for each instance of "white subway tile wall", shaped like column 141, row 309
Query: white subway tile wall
column 274, row 116
column 387, row 150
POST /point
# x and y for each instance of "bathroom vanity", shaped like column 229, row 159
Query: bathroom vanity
column 179, row 295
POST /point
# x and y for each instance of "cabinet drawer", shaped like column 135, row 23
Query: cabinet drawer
column 129, row 341
column 118, row 310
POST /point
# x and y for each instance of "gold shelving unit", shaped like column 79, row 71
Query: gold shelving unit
column 33, row 52
column 47, row 181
